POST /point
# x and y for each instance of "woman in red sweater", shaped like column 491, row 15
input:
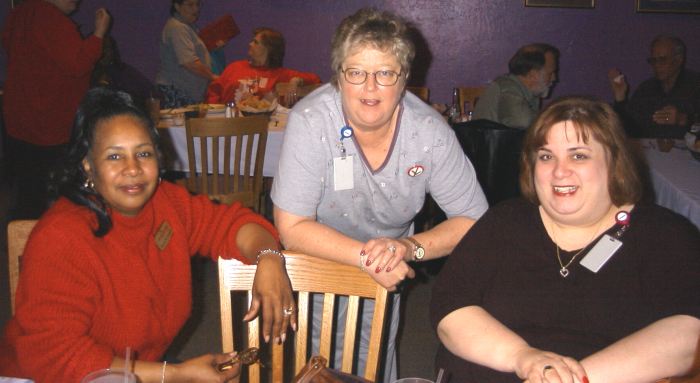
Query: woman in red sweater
column 108, row 266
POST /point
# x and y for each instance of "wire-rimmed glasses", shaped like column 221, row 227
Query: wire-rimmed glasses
column 382, row 77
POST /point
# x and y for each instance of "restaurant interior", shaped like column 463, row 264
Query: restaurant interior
column 459, row 43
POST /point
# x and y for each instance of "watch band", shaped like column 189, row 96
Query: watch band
column 418, row 250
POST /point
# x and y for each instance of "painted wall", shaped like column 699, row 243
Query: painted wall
column 466, row 42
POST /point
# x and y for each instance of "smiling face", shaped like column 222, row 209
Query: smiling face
column 571, row 177
column 123, row 164
column 370, row 106
column 188, row 10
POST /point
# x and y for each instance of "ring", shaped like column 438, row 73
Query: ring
column 288, row 311
column 392, row 248
column 547, row 367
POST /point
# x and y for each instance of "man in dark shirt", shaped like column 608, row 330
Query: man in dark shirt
column 666, row 104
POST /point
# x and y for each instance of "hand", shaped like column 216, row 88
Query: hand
column 669, row 115
column 273, row 291
column 537, row 366
column 384, row 254
column 102, row 20
column 203, row 369
column 618, row 84
column 296, row 81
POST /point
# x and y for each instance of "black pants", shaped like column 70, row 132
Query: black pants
column 30, row 166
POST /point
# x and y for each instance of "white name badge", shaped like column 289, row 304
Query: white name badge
column 601, row 253
column 342, row 173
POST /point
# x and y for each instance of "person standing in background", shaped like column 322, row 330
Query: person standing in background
column 48, row 73
column 185, row 65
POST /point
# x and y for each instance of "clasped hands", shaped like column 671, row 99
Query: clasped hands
column 385, row 259
column 538, row 366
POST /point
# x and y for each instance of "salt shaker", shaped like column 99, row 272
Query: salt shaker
column 230, row 109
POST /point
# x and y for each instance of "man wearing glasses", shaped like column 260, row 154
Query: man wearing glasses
column 666, row 104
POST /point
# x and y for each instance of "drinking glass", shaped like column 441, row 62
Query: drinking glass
column 109, row 375
column 413, row 380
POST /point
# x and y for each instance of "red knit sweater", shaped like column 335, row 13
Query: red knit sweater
column 48, row 72
column 83, row 300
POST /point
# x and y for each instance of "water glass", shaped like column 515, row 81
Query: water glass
column 109, row 375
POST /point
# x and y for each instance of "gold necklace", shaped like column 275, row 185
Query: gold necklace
column 564, row 271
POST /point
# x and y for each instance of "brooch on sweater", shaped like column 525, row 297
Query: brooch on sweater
column 163, row 234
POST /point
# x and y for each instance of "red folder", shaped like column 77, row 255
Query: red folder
column 221, row 29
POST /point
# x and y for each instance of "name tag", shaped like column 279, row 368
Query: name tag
column 601, row 253
column 342, row 173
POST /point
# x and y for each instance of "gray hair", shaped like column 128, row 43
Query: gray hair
column 678, row 44
column 370, row 27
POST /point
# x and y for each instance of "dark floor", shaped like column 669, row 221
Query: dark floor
column 417, row 340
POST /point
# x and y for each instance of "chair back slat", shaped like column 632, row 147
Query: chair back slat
column 17, row 236
column 232, row 151
column 469, row 94
column 308, row 274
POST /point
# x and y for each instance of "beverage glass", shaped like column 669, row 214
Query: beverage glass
column 413, row 380
column 109, row 375
column 153, row 105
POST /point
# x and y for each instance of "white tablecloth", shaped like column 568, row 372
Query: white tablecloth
column 675, row 177
column 174, row 146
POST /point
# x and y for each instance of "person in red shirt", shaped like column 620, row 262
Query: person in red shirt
column 48, row 73
column 260, row 73
column 108, row 266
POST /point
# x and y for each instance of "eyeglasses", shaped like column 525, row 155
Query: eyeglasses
column 382, row 77
column 661, row 60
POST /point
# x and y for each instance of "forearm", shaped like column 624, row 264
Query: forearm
column 146, row 372
column 313, row 238
column 252, row 238
column 442, row 239
column 474, row 335
column 201, row 70
column 665, row 348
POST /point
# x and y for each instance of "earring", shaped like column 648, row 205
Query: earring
column 89, row 184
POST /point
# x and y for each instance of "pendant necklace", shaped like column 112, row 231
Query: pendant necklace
column 564, row 270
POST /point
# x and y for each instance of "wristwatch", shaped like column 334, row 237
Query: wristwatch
column 418, row 250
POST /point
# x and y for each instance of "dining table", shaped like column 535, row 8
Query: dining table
column 675, row 178
column 174, row 140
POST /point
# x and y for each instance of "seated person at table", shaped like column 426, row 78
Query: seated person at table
column 666, row 104
column 108, row 266
column 260, row 73
column 528, row 294
column 514, row 99
column 398, row 148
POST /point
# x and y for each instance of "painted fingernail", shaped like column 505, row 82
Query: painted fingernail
column 388, row 269
column 267, row 338
column 369, row 262
column 378, row 269
column 362, row 253
column 585, row 379
column 284, row 337
column 277, row 340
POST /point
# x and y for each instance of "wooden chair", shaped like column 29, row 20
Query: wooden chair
column 301, row 91
column 469, row 94
column 17, row 235
column 423, row 92
column 307, row 274
column 235, row 176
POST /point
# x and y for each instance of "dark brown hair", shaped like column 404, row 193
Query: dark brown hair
column 591, row 119
column 274, row 42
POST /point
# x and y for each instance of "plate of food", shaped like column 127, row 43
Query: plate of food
column 256, row 105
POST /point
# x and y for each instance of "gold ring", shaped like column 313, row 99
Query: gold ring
column 288, row 311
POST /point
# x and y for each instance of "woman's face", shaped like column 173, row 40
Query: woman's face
column 188, row 10
column 66, row 6
column 370, row 106
column 123, row 164
column 571, row 177
column 257, row 51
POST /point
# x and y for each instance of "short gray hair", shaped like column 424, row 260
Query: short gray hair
column 377, row 29
column 678, row 44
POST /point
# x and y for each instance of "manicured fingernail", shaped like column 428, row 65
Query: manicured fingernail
column 378, row 269
column 294, row 326
column 388, row 269
column 585, row 379
column 267, row 339
column 369, row 262
column 284, row 337
column 362, row 253
column 277, row 340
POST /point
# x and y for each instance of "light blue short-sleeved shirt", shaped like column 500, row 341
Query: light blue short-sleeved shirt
column 425, row 157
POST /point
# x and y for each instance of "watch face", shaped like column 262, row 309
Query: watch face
column 419, row 253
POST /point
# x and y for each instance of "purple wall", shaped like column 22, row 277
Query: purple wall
column 469, row 41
